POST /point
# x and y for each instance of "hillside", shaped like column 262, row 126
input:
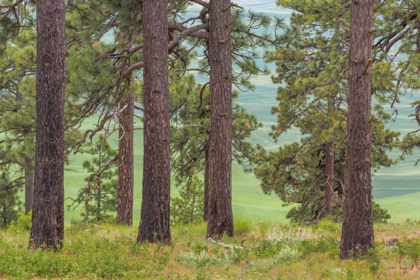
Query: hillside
column 248, row 200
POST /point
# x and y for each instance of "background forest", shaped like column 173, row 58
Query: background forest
column 394, row 188
column 290, row 64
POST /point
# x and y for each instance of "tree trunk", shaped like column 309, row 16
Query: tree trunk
column 357, row 232
column 418, row 42
column 155, row 209
column 220, row 217
column 206, row 184
column 98, row 203
column 126, row 164
column 48, row 208
column 418, row 36
column 29, row 185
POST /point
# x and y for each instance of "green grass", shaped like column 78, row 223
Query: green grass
column 402, row 207
column 263, row 251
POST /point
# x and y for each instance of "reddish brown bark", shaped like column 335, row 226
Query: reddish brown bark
column 206, row 184
column 48, row 208
column 155, row 209
column 126, row 164
column 357, row 232
column 220, row 217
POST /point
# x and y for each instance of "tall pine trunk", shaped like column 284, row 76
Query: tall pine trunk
column 48, row 207
column 155, row 209
column 206, row 183
column 220, row 217
column 29, row 185
column 418, row 41
column 357, row 232
column 126, row 164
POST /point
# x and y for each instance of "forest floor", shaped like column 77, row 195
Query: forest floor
column 262, row 251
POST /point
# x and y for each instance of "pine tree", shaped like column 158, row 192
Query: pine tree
column 126, row 163
column 48, row 208
column 311, row 66
column 155, row 210
column 17, row 108
column 190, row 111
column 100, row 194
column 188, row 208
column 357, row 232
column 219, row 215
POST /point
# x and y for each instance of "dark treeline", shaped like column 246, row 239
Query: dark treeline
column 331, row 59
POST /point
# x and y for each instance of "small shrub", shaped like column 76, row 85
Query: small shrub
column 374, row 261
column 409, row 250
column 21, row 225
column 232, row 257
column 337, row 271
column 329, row 246
column 243, row 227
column 286, row 255
column 380, row 215
column 200, row 247
column 188, row 207
column 328, row 226
column 201, row 261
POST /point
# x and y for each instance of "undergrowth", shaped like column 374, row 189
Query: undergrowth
column 259, row 251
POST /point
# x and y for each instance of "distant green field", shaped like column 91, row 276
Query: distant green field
column 397, row 188
column 248, row 200
column 249, row 203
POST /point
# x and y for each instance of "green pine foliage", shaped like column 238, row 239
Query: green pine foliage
column 312, row 72
column 10, row 205
column 188, row 208
column 99, row 196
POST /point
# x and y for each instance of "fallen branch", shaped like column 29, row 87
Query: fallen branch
column 211, row 240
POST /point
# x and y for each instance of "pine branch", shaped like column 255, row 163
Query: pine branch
column 202, row 3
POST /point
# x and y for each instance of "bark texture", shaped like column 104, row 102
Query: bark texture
column 206, row 184
column 357, row 232
column 329, row 166
column 126, row 164
column 29, row 185
column 220, row 217
column 155, row 209
column 48, row 208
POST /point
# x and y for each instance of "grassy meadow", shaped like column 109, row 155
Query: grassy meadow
column 266, row 250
